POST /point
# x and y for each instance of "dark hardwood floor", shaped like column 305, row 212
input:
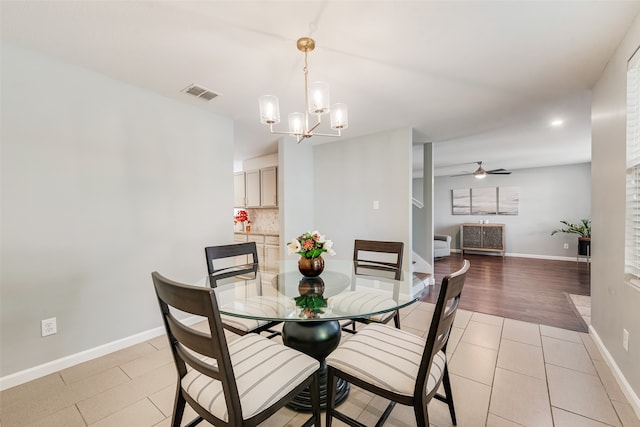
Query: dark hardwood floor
column 531, row 290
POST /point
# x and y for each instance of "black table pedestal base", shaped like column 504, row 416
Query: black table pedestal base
column 318, row 340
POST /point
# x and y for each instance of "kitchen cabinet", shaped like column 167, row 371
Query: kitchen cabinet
column 271, row 252
column 269, row 187
column 256, row 188
column 239, row 190
column 241, row 259
column 268, row 247
column 252, row 188
column 482, row 237
column 239, row 237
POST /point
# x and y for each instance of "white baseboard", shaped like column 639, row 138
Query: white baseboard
column 516, row 255
column 631, row 396
column 39, row 371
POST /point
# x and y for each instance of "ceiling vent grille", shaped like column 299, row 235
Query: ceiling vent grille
column 200, row 92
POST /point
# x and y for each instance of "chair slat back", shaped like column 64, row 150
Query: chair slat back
column 378, row 255
column 185, row 340
column 222, row 260
column 441, row 323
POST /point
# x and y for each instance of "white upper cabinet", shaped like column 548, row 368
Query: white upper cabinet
column 252, row 186
column 239, row 194
column 269, row 187
column 256, row 188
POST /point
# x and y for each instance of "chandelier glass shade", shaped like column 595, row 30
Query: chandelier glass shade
column 317, row 101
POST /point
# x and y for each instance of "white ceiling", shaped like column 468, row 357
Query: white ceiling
column 483, row 79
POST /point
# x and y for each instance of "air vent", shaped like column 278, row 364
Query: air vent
column 200, row 92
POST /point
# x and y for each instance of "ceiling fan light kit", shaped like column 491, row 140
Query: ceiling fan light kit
column 481, row 173
column 316, row 99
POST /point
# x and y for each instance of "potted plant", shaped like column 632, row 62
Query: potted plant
column 310, row 246
column 240, row 219
column 583, row 230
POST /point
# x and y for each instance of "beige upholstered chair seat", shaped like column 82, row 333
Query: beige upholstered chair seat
column 265, row 372
column 386, row 357
column 364, row 302
column 268, row 307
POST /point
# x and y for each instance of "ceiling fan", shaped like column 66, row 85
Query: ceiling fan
column 481, row 172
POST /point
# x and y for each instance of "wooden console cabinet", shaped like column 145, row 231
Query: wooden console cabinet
column 482, row 237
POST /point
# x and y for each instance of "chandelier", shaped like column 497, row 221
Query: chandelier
column 316, row 99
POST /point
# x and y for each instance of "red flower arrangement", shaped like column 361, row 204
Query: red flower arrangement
column 241, row 216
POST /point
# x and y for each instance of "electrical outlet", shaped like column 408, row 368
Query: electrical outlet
column 566, row 246
column 376, row 204
column 49, row 326
column 625, row 339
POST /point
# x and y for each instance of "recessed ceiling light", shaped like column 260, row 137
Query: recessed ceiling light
column 557, row 122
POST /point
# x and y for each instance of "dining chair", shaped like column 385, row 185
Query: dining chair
column 397, row 365
column 236, row 260
column 229, row 260
column 240, row 383
column 376, row 258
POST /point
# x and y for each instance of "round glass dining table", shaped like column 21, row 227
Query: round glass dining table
column 311, row 307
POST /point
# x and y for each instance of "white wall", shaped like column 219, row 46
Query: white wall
column 102, row 183
column 422, row 218
column 260, row 162
column 295, row 191
column 349, row 175
column 615, row 305
column 547, row 195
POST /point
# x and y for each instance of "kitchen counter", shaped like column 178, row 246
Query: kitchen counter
column 263, row 233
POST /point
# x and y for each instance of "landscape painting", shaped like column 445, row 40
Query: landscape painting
column 508, row 200
column 484, row 201
column 461, row 202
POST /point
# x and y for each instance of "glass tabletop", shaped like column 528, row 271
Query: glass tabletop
column 342, row 291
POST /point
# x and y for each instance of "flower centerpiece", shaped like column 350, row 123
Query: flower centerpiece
column 311, row 306
column 241, row 218
column 310, row 246
column 311, row 303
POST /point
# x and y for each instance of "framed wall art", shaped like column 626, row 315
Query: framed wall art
column 508, row 200
column 485, row 201
column 461, row 202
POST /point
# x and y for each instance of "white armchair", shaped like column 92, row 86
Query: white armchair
column 441, row 245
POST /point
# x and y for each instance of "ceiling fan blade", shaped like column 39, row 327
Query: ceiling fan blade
column 462, row 174
column 499, row 172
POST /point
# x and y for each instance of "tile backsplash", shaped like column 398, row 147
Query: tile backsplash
column 264, row 220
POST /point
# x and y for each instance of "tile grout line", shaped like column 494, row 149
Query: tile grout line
column 546, row 377
column 493, row 379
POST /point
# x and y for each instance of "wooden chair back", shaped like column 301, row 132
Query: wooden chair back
column 222, row 260
column 184, row 340
column 381, row 256
column 441, row 324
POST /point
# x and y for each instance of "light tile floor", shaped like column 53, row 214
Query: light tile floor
column 504, row 373
column 582, row 304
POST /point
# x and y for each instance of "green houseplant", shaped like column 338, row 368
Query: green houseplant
column 582, row 229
